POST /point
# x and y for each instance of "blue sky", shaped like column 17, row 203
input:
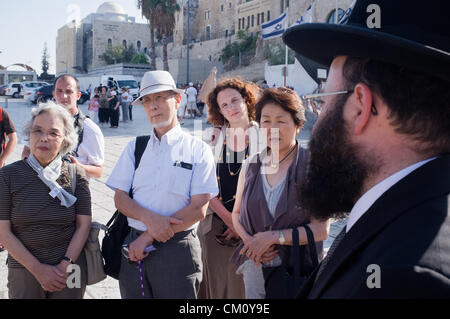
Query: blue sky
column 26, row 24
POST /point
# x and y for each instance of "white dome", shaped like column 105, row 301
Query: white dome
column 110, row 7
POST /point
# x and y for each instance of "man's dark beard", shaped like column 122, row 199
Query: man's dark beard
column 335, row 173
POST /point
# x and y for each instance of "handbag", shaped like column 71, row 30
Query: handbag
column 94, row 261
column 284, row 281
column 117, row 226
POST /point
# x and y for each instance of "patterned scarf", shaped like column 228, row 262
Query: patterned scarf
column 49, row 175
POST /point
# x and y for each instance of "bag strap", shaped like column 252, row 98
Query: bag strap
column 299, row 251
column 296, row 253
column 141, row 145
column 312, row 246
column 73, row 178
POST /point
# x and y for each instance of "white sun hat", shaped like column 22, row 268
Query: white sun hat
column 154, row 82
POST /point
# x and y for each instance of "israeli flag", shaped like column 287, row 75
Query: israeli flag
column 306, row 17
column 274, row 28
column 347, row 13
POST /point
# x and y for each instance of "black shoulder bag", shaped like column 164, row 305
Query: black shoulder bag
column 117, row 226
column 284, row 281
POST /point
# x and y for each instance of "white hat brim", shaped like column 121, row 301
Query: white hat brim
column 154, row 89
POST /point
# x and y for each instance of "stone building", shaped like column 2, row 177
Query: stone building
column 79, row 46
column 222, row 19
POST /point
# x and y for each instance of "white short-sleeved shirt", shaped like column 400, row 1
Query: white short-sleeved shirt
column 191, row 93
column 91, row 151
column 182, row 107
column 170, row 172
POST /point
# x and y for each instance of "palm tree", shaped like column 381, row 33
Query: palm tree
column 149, row 11
column 166, row 24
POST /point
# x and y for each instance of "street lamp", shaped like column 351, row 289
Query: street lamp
column 188, row 40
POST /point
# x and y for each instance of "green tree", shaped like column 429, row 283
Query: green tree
column 113, row 54
column 129, row 53
column 166, row 24
column 140, row 58
column 276, row 54
column 245, row 47
column 119, row 54
column 45, row 62
column 148, row 10
column 161, row 16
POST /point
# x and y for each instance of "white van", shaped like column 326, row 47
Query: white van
column 110, row 80
column 120, row 81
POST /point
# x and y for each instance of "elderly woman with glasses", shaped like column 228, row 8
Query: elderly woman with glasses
column 265, row 211
column 45, row 212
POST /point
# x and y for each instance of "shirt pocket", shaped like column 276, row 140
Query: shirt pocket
column 180, row 183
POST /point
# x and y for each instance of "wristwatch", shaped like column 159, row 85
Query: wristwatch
column 281, row 239
column 68, row 259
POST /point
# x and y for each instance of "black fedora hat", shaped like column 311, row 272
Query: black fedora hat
column 410, row 33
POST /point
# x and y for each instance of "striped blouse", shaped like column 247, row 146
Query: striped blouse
column 39, row 221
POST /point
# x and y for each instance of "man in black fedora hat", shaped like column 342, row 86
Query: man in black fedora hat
column 380, row 151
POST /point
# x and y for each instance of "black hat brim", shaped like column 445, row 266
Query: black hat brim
column 322, row 42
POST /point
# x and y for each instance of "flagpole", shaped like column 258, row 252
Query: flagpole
column 336, row 13
column 286, row 51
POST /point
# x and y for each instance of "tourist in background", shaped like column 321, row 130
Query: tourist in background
column 114, row 104
column 93, row 107
column 124, row 102
column 103, row 112
column 191, row 93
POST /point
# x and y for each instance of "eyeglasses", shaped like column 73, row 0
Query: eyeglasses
column 156, row 99
column 52, row 135
column 316, row 98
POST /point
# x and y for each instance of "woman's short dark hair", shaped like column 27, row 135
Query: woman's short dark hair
column 419, row 104
column 247, row 90
column 287, row 99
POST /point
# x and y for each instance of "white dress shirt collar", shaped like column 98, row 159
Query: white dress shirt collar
column 366, row 201
column 170, row 137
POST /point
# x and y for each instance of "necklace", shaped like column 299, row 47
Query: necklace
column 226, row 160
column 227, row 157
column 275, row 166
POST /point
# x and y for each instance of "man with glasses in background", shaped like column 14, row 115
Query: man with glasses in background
column 380, row 150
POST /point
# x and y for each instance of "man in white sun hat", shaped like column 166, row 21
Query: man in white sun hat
column 171, row 190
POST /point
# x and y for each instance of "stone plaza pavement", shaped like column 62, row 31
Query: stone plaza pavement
column 102, row 197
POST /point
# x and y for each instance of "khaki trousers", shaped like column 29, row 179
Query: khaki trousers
column 220, row 280
column 23, row 285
